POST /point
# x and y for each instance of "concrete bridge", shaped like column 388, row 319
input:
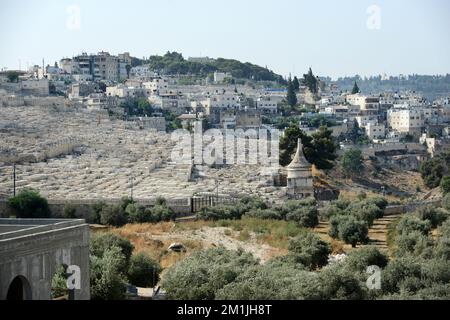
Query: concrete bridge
column 31, row 252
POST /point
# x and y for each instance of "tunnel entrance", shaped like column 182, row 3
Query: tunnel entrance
column 19, row 289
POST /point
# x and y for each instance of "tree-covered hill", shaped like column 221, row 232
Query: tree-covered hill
column 174, row 63
column 430, row 86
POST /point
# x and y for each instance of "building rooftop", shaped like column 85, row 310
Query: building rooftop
column 11, row 228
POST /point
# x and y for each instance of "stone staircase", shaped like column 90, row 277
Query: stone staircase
column 379, row 231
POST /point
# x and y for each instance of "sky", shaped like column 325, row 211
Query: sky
column 334, row 38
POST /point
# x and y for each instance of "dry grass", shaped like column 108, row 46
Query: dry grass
column 275, row 233
column 140, row 236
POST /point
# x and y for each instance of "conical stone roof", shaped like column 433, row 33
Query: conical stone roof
column 299, row 162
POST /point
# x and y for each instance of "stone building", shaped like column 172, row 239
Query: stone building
column 299, row 176
column 32, row 251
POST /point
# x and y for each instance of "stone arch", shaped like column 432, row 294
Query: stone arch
column 19, row 289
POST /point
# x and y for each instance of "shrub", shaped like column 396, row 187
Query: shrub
column 365, row 211
column 415, row 243
column 411, row 223
column 272, row 281
column 432, row 172
column 380, row 202
column 360, row 259
column 107, row 278
column 445, row 184
column 143, row 271
column 397, row 271
column 113, row 215
column 304, row 216
column 70, row 211
column 222, row 212
column 29, row 204
column 264, row 214
column 348, row 229
column 339, row 283
column 162, row 213
column 446, row 202
column 253, row 202
column 137, row 213
column 101, row 242
column 310, row 250
column 436, row 216
column 96, row 211
column 352, row 162
column 160, row 201
column 201, row 275
column 353, row 231
column 59, row 283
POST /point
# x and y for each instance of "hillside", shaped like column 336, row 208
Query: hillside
column 174, row 63
column 429, row 86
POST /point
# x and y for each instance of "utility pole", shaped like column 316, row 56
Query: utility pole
column 132, row 184
column 14, row 179
column 217, row 190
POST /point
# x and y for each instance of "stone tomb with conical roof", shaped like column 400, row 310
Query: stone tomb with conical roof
column 299, row 176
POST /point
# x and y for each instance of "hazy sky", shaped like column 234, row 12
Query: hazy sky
column 335, row 38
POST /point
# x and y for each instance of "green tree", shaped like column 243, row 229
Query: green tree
column 355, row 89
column 101, row 242
column 12, row 76
column 305, row 216
column 412, row 223
column 319, row 149
column 352, row 162
column 291, row 96
column 353, row 231
column 341, row 284
column 289, row 141
column 358, row 260
column 137, row 213
column 446, row 202
column 311, row 82
column 107, row 277
column 201, row 275
column 59, row 283
column 70, row 211
column 29, row 204
column 128, row 68
column 324, row 146
column 113, row 215
column 349, row 229
column 296, row 84
column 310, row 250
column 432, row 171
column 356, row 134
column 143, row 271
column 445, row 184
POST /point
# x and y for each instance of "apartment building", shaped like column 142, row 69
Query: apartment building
column 375, row 130
column 368, row 105
column 410, row 121
column 123, row 91
column 101, row 66
column 157, row 86
column 267, row 105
